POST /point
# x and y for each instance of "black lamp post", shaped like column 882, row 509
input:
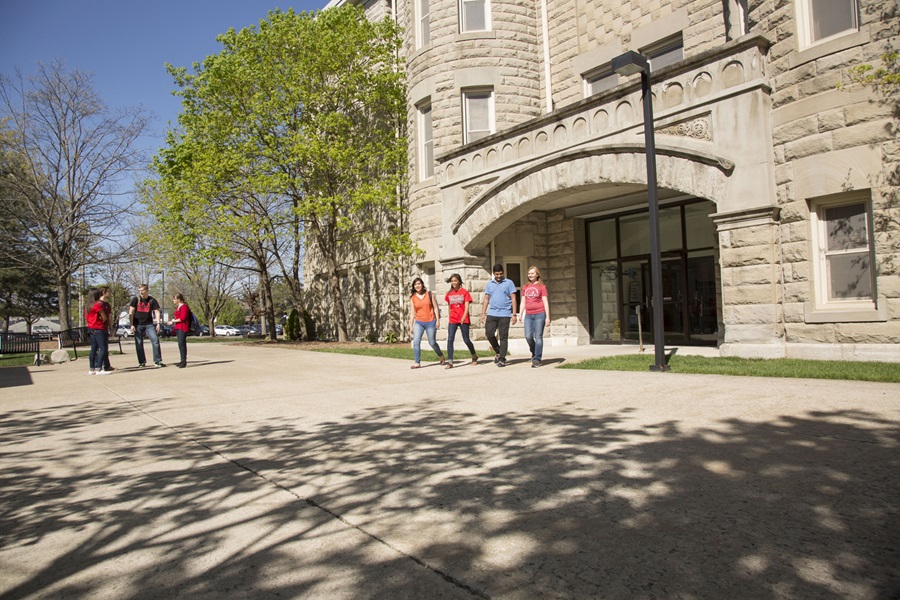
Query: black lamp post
column 628, row 64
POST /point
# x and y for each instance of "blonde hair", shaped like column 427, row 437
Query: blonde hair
column 537, row 271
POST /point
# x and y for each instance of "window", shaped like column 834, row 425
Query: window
column 474, row 15
column 599, row 80
column 426, row 142
column 424, row 31
column 478, row 114
column 844, row 253
column 819, row 20
column 664, row 53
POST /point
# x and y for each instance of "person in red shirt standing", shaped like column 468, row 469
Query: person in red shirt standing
column 535, row 313
column 105, row 296
column 459, row 300
column 181, row 320
column 96, row 324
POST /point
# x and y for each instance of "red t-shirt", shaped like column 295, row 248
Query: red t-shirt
column 534, row 294
column 457, row 299
column 182, row 314
column 94, row 320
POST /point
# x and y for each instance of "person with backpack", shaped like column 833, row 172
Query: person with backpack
column 181, row 321
column 424, row 317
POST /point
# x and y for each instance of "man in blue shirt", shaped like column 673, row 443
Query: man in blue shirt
column 499, row 301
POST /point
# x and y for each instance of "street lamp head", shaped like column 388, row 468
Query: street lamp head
column 630, row 63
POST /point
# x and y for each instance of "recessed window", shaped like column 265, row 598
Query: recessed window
column 820, row 20
column 843, row 251
column 478, row 114
column 665, row 52
column 474, row 15
column 424, row 30
column 599, row 80
column 426, row 142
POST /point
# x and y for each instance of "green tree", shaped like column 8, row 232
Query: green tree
column 295, row 128
column 73, row 154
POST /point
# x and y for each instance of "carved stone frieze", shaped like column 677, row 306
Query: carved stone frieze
column 699, row 128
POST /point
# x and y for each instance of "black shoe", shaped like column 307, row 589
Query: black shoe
column 181, row 365
column 160, row 365
column 496, row 358
column 501, row 363
column 535, row 364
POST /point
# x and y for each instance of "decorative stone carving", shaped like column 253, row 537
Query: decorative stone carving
column 698, row 129
column 472, row 192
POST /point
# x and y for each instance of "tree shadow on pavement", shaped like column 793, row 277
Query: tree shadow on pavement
column 421, row 500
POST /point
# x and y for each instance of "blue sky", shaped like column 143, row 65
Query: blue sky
column 126, row 43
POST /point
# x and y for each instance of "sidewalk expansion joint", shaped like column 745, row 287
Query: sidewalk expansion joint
column 313, row 504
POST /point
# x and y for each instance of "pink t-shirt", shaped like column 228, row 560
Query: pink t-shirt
column 534, row 294
column 457, row 299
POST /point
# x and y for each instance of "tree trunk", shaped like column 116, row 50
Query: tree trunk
column 337, row 300
column 62, row 294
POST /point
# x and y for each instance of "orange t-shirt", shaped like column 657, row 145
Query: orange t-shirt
column 424, row 309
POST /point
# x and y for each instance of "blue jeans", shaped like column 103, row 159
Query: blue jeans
column 150, row 332
column 430, row 328
column 451, row 334
column 99, row 348
column 534, row 334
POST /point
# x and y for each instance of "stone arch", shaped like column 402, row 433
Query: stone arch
column 507, row 200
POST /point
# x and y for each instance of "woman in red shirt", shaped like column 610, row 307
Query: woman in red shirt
column 459, row 300
column 535, row 313
column 423, row 312
column 96, row 325
column 181, row 320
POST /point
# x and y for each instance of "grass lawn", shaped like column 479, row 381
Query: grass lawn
column 741, row 367
column 747, row 367
column 19, row 360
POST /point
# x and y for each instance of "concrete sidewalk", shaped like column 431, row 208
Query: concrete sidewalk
column 273, row 473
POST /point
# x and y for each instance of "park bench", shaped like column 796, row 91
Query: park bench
column 19, row 343
column 80, row 336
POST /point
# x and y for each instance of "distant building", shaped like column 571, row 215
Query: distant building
column 780, row 225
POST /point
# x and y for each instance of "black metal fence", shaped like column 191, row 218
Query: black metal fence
column 19, row 343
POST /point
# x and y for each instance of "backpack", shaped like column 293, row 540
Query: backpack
column 194, row 324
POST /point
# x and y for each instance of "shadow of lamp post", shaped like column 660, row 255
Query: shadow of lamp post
column 627, row 64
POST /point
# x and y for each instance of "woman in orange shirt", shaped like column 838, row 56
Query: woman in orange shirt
column 423, row 311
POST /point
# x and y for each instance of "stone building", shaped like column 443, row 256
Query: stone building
column 779, row 214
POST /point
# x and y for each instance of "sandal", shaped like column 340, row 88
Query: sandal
column 449, row 365
column 474, row 359
column 442, row 360
column 416, row 366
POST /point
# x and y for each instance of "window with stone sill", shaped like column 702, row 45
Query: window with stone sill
column 665, row 52
column 599, row 80
column 426, row 141
column 474, row 15
column 844, row 255
column 478, row 114
column 822, row 20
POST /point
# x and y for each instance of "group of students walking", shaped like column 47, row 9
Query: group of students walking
column 497, row 310
column 145, row 321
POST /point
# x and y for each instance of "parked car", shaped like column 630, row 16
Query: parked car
column 124, row 331
column 43, row 332
column 203, row 331
column 226, row 330
column 244, row 329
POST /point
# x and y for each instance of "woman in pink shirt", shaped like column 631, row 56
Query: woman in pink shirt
column 181, row 321
column 535, row 313
column 97, row 328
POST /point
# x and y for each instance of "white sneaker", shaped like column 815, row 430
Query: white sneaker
column 92, row 372
column 102, row 373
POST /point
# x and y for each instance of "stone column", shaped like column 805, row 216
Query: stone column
column 751, row 292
